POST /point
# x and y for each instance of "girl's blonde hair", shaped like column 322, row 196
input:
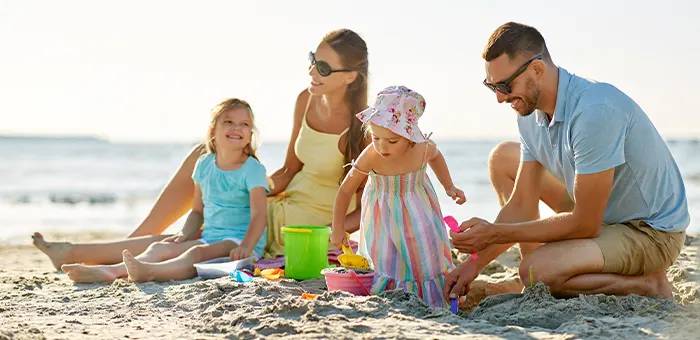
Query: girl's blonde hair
column 367, row 130
column 225, row 106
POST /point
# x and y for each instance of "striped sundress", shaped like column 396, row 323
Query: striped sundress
column 403, row 235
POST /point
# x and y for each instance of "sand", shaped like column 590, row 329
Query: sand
column 36, row 302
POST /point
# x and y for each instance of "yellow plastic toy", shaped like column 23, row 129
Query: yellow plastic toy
column 350, row 260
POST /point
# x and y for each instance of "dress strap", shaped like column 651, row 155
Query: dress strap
column 306, row 110
column 427, row 147
column 353, row 164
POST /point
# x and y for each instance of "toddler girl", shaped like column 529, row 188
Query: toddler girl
column 401, row 231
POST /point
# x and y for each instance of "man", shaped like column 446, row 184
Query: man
column 584, row 142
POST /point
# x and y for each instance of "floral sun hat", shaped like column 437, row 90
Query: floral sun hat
column 398, row 109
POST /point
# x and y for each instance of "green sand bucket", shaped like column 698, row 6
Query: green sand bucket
column 305, row 251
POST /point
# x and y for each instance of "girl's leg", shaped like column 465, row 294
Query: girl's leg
column 156, row 252
column 179, row 268
column 62, row 253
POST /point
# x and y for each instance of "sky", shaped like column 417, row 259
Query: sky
column 149, row 71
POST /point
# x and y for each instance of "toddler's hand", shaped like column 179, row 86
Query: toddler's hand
column 456, row 194
column 338, row 238
column 177, row 238
column 239, row 253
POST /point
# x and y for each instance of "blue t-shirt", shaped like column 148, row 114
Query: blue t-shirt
column 596, row 127
column 226, row 198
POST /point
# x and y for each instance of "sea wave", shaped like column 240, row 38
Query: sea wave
column 104, row 198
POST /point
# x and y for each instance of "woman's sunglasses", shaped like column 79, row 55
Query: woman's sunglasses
column 322, row 67
column 504, row 86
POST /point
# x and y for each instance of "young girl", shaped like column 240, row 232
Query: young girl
column 230, row 200
column 401, row 231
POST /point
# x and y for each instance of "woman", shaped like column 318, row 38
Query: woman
column 325, row 137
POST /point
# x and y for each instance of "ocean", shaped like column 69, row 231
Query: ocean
column 69, row 185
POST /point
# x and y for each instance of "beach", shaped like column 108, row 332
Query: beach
column 39, row 302
column 82, row 191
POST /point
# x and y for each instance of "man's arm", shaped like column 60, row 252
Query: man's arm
column 523, row 205
column 591, row 193
column 598, row 135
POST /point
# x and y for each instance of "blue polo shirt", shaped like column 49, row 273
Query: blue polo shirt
column 596, row 127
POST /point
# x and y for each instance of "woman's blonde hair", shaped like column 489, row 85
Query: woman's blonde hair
column 225, row 106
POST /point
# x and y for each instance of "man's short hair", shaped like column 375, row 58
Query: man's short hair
column 515, row 40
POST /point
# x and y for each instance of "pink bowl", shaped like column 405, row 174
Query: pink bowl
column 348, row 283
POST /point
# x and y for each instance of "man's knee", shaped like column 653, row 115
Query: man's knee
column 527, row 248
column 533, row 270
column 503, row 157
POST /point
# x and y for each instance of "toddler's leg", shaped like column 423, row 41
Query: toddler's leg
column 179, row 268
column 156, row 252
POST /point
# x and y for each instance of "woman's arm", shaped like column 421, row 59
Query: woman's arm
column 196, row 217
column 292, row 165
column 175, row 199
column 258, row 219
column 194, row 221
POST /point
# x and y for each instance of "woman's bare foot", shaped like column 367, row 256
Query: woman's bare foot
column 89, row 274
column 138, row 271
column 56, row 251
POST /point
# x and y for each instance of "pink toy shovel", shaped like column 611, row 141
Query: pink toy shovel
column 452, row 223
column 454, row 226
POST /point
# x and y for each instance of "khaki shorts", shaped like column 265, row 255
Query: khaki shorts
column 635, row 248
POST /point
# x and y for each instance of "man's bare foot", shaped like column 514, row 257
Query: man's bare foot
column 138, row 271
column 660, row 287
column 56, row 251
column 88, row 274
column 480, row 289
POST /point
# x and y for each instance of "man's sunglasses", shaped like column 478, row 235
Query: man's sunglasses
column 322, row 67
column 504, row 86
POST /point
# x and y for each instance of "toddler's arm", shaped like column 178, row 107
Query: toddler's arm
column 359, row 172
column 439, row 165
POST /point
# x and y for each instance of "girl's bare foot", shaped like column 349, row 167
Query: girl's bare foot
column 88, row 274
column 56, row 251
column 138, row 271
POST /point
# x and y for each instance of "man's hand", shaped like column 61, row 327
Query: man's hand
column 461, row 277
column 476, row 235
